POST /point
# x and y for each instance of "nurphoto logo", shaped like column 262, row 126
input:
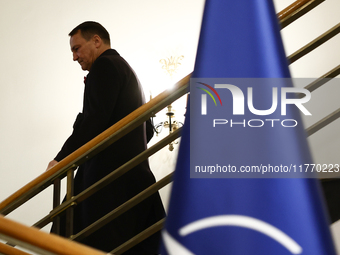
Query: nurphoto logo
column 238, row 99
column 279, row 99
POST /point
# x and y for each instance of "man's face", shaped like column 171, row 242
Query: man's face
column 83, row 51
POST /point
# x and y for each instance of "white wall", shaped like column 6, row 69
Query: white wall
column 41, row 87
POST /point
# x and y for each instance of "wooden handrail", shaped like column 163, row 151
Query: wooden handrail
column 314, row 44
column 9, row 250
column 97, row 144
column 42, row 240
column 323, row 79
column 286, row 12
column 296, row 10
column 108, row 179
column 324, row 122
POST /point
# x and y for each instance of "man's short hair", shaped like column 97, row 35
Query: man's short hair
column 90, row 28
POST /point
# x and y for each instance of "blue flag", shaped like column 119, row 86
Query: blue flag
column 239, row 185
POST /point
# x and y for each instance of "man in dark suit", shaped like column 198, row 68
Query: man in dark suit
column 112, row 91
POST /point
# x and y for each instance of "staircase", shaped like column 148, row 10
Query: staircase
column 30, row 238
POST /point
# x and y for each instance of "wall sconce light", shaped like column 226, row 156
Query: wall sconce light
column 170, row 65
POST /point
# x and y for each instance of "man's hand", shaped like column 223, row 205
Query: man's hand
column 51, row 164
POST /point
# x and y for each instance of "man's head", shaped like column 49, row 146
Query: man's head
column 88, row 41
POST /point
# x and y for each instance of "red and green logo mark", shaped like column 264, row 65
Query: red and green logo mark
column 204, row 97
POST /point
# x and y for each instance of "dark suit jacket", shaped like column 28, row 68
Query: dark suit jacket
column 112, row 91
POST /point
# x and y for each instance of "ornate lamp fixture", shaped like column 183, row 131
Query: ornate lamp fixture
column 170, row 65
column 171, row 123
